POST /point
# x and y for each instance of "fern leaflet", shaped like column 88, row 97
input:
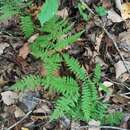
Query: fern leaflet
column 27, row 26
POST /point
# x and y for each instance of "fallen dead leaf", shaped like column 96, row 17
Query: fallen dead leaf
column 74, row 125
column 9, row 97
column 120, row 99
column 118, row 4
column 63, row 13
column 120, row 69
column 114, row 17
column 107, row 83
column 125, row 10
column 24, row 51
column 124, row 39
column 98, row 42
column 98, row 59
column 124, row 77
column 18, row 112
column 42, row 109
column 33, row 38
column 2, row 81
column 24, row 128
column 94, row 123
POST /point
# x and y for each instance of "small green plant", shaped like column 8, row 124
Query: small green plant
column 82, row 12
column 78, row 104
column 48, row 10
column 101, row 11
column 79, row 98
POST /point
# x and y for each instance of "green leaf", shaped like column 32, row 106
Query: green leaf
column 101, row 11
column 82, row 13
column 48, row 10
column 104, row 88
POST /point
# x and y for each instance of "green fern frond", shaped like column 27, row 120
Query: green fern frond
column 7, row 11
column 48, row 10
column 57, row 28
column 97, row 73
column 11, row 8
column 74, row 66
column 87, row 99
column 27, row 26
column 42, row 41
column 99, row 111
column 61, row 44
column 39, row 52
column 63, row 107
column 28, row 82
column 113, row 118
column 52, row 63
column 65, row 86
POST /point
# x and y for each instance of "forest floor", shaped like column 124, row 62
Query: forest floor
column 106, row 41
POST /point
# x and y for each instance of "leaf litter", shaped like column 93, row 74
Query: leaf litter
column 94, row 47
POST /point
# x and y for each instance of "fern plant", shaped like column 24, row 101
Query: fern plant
column 79, row 98
column 75, row 103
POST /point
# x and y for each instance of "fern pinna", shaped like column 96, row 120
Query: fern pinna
column 79, row 104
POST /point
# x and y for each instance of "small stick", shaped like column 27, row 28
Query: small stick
column 110, row 36
column 20, row 120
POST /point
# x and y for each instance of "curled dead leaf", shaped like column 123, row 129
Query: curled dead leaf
column 24, row 51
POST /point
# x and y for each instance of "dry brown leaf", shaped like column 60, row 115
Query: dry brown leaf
column 98, row 42
column 24, row 51
column 125, row 11
column 2, row 81
column 24, row 128
column 94, row 123
column 124, row 77
column 18, row 112
column 33, row 38
column 124, row 38
column 120, row 99
column 63, row 13
column 120, row 69
column 113, row 16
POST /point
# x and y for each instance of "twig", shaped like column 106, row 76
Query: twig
column 20, row 120
column 121, row 84
column 106, row 127
column 117, row 48
column 110, row 36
